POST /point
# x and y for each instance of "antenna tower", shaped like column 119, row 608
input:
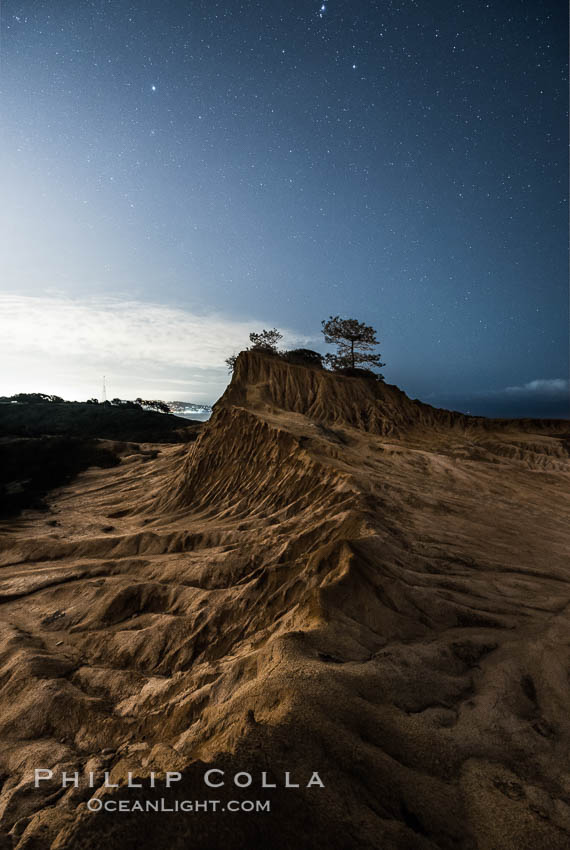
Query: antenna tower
column 104, row 393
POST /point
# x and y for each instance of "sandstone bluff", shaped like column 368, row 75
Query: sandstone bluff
column 331, row 578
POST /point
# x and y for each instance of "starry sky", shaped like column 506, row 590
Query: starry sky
column 176, row 174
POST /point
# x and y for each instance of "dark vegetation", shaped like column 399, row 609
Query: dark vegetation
column 31, row 466
column 154, row 404
column 354, row 340
column 304, row 357
column 105, row 421
column 30, row 398
column 42, row 398
column 45, row 442
column 357, row 372
column 265, row 341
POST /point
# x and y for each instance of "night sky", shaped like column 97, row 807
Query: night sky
column 177, row 173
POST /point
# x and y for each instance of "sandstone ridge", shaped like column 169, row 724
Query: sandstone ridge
column 331, row 578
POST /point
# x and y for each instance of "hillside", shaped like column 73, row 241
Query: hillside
column 102, row 421
column 44, row 445
column 331, row 578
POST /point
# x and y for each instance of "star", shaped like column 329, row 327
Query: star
column 153, row 88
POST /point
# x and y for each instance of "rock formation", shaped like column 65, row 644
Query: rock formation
column 333, row 578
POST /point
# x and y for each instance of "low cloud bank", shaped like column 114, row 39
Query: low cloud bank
column 541, row 398
column 542, row 386
column 64, row 346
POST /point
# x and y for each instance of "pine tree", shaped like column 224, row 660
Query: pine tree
column 354, row 341
column 265, row 340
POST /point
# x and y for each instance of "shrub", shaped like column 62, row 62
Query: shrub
column 304, row 357
column 355, row 372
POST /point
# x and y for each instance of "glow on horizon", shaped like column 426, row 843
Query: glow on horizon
column 64, row 346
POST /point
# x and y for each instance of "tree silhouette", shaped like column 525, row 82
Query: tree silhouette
column 266, row 340
column 354, row 341
column 159, row 406
column 33, row 398
column 263, row 341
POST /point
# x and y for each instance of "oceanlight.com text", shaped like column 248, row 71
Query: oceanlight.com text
column 95, row 804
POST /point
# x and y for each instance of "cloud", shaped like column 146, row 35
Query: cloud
column 542, row 386
column 542, row 398
column 66, row 345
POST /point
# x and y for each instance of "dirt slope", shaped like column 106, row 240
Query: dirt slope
column 332, row 578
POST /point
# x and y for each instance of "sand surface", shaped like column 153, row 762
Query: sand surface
column 332, row 578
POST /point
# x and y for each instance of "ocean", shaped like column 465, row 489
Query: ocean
column 197, row 417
